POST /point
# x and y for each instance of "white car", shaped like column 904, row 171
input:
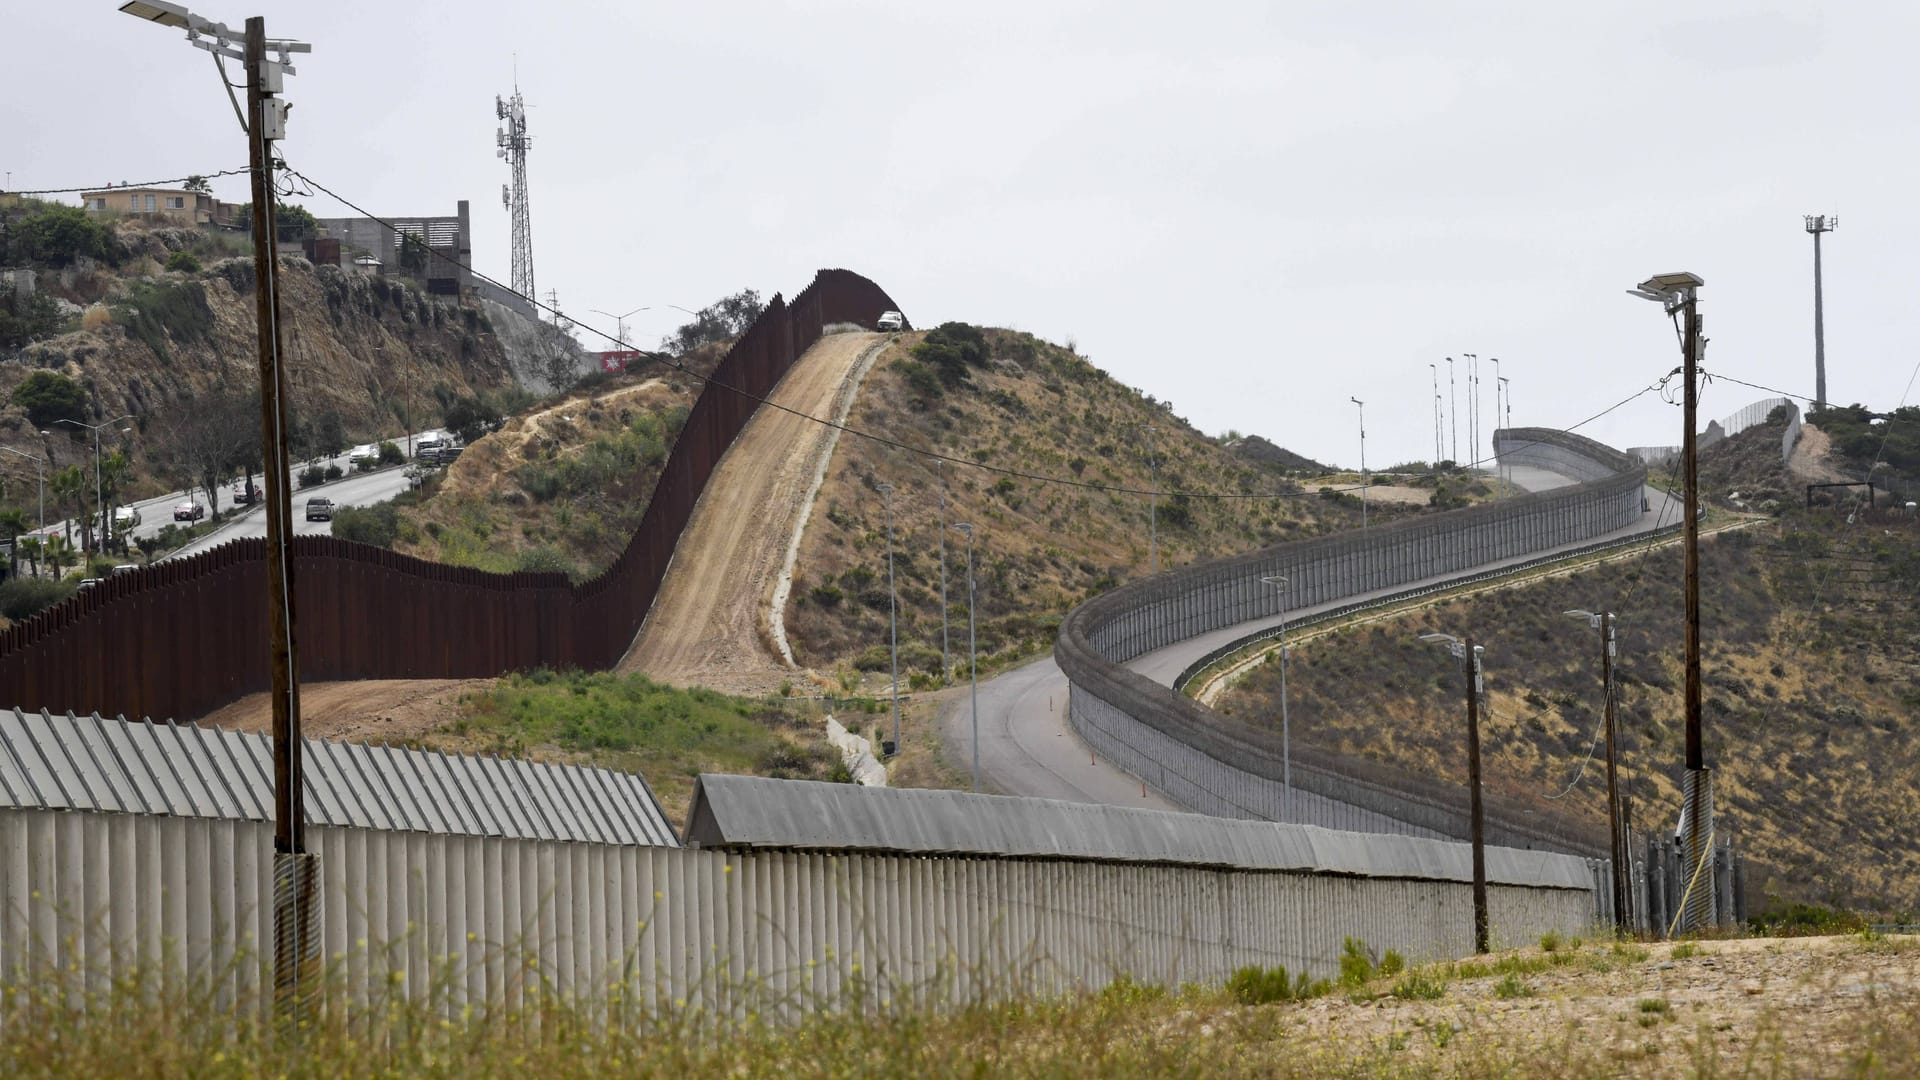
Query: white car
column 891, row 321
column 369, row 452
column 125, row 517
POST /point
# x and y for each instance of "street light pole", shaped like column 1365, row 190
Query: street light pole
column 1153, row 506
column 1435, row 368
column 620, row 322
column 1473, row 407
column 1453, row 412
column 1603, row 622
column 1363, row 459
column 99, row 490
column 296, row 902
column 40, row 473
column 946, row 664
column 1502, row 388
column 973, row 658
column 1678, row 293
column 893, row 620
column 1279, row 582
column 1469, row 656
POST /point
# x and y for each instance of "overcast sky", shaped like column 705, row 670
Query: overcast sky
column 1255, row 211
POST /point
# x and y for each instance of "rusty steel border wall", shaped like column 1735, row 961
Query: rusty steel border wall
column 183, row 638
column 1222, row 765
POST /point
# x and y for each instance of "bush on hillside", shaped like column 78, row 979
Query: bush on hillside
column 23, row 597
column 55, row 235
column 391, row 454
column 49, row 397
column 376, row 525
column 184, row 262
column 950, row 349
column 26, row 321
column 157, row 312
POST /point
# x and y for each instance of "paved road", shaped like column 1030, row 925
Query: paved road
column 356, row 489
column 1027, row 748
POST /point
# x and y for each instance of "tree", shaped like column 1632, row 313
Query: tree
column 21, row 322
column 413, row 253
column 114, row 470
column 13, row 522
column 288, row 219
column 199, row 184
column 557, row 355
column 50, row 397
column 57, row 235
column 72, row 485
column 204, row 441
column 950, row 349
column 470, row 417
column 725, row 318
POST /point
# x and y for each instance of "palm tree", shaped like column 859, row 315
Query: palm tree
column 30, row 547
column 71, row 483
column 61, row 555
column 13, row 522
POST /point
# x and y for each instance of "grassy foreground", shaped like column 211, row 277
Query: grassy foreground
column 1759, row 1007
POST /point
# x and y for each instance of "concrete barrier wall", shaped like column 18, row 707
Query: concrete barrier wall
column 103, row 893
column 1223, row 765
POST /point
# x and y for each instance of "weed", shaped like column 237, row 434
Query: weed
column 1356, row 963
column 1420, row 986
column 1255, row 985
column 1687, row 950
column 1511, row 987
column 1392, row 963
column 1550, row 941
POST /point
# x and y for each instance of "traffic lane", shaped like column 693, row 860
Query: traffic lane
column 1028, row 748
column 362, row 489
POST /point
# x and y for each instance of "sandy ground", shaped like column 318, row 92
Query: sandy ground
column 709, row 625
column 1809, row 460
column 378, row 710
column 1757, row 999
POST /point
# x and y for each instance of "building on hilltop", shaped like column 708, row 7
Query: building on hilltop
column 435, row 251
column 195, row 207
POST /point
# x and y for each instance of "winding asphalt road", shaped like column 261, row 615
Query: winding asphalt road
column 1027, row 748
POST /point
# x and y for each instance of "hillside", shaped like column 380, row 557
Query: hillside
column 998, row 399
column 157, row 321
column 1811, row 662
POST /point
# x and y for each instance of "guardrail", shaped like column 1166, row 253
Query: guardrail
column 1214, row 656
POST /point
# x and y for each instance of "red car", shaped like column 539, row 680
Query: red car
column 189, row 511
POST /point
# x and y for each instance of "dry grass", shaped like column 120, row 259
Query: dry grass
column 1810, row 1007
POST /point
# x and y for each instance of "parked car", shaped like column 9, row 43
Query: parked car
column 243, row 494
column 125, row 518
column 124, row 568
column 891, row 321
column 87, row 583
column 319, row 508
column 189, row 511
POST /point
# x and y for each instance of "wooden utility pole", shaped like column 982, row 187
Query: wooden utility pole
column 295, row 878
column 1480, row 921
column 1620, row 857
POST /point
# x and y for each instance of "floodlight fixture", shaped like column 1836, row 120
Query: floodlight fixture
column 158, row 11
column 1277, row 580
column 1582, row 613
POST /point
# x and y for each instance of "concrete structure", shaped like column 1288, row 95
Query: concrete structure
column 449, row 243
column 191, row 207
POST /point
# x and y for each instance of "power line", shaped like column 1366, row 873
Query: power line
column 930, row 455
column 170, row 181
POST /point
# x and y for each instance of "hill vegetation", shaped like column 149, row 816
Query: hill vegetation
column 1006, row 407
column 1811, row 629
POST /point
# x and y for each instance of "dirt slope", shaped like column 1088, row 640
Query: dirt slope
column 709, row 624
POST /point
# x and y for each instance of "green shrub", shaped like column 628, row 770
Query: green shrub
column 1356, row 963
column 49, row 397
column 546, row 559
column 950, row 349
column 1392, row 963
column 21, row 323
column 22, row 597
column 1686, row 950
column 311, row 475
column 335, row 472
column 1550, row 941
column 390, row 454
column 826, row 595
column 1511, row 987
column 184, row 262
column 1255, row 985
column 156, row 312
column 376, row 525
column 1420, row 986
column 57, row 235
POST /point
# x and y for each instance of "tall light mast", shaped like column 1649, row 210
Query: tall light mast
column 512, row 142
column 1818, row 225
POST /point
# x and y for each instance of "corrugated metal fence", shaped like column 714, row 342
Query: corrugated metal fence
column 183, row 638
column 488, row 917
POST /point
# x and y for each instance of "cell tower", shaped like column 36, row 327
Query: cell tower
column 512, row 141
column 1818, row 224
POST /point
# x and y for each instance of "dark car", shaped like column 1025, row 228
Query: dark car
column 189, row 511
column 319, row 508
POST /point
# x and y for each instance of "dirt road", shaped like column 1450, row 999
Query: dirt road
column 709, row 625
column 374, row 710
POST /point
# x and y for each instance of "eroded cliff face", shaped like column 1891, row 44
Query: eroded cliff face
column 371, row 351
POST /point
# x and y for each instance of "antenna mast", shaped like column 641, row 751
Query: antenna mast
column 512, row 142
